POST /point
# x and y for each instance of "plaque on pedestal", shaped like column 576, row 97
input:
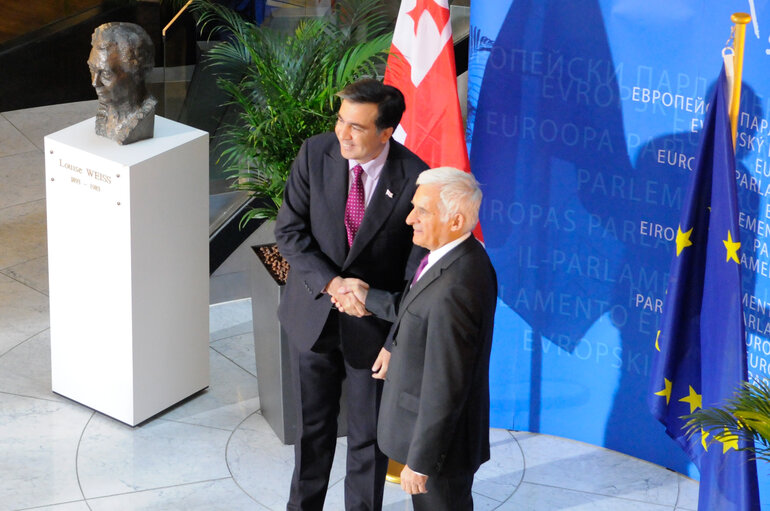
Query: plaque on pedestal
column 128, row 268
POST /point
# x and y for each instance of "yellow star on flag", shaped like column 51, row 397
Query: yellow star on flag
column 682, row 240
column 703, row 436
column 666, row 390
column 728, row 440
column 694, row 399
column 732, row 248
column 657, row 338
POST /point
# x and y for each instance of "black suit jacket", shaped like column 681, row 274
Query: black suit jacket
column 434, row 414
column 310, row 232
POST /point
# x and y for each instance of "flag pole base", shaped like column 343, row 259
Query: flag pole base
column 394, row 472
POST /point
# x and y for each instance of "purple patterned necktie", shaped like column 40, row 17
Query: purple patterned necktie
column 420, row 267
column 354, row 208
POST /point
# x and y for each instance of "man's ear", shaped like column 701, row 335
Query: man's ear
column 386, row 134
column 457, row 223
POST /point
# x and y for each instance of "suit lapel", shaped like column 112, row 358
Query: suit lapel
column 433, row 273
column 335, row 192
column 384, row 198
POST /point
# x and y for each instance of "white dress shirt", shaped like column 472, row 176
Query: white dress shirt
column 371, row 174
column 435, row 255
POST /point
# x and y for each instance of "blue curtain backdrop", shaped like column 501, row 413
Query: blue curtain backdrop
column 583, row 122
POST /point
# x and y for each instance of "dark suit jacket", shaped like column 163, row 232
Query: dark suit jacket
column 310, row 232
column 434, row 414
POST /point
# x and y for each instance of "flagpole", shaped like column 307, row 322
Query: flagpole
column 741, row 19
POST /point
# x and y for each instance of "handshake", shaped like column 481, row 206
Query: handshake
column 348, row 295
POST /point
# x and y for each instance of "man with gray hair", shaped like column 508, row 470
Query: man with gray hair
column 434, row 415
column 122, row 55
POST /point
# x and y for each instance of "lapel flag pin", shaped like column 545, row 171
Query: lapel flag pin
column 389, row 194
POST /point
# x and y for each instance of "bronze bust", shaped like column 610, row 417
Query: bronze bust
column 122, row 55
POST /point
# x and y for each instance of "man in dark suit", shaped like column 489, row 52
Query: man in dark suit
column 343, row 214
column 434, row 415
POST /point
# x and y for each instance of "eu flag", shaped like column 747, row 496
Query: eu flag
column 700, row 357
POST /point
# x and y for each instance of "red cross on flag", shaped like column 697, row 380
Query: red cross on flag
column 422, row 66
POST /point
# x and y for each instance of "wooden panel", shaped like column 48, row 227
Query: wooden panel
column 18, row 17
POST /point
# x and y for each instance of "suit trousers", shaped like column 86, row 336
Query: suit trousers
column 446, row 494
column 317, row 378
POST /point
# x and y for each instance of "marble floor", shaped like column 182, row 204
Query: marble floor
column 215, row 451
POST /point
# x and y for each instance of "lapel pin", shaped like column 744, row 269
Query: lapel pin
column 389, row 194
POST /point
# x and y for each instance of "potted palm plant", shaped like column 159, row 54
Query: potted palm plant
column 282, row 87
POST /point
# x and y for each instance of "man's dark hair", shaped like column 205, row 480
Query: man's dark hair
column 389, row 100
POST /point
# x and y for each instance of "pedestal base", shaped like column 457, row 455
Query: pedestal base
column 128, row 268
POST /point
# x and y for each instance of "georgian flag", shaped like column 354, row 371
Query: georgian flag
column 422, row 66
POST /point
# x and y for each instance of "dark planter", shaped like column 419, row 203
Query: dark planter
column 271, row 350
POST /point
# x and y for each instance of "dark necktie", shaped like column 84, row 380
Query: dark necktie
column 354, row 208
column 420, row 267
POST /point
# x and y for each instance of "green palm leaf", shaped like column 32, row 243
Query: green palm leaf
column 746, row 415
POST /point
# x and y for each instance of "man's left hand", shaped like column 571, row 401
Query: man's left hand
column 380, row 367
column 412, row 482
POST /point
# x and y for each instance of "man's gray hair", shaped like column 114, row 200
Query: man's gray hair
column 460, row 193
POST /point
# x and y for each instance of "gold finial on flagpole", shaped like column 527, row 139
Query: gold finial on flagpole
column 741, row 19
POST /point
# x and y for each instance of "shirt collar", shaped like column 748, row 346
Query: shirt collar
column 374, row 167
column 440, row 252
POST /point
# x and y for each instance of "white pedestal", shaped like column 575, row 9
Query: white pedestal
column 128, row 268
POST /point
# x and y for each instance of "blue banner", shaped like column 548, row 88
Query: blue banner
column 583, row 124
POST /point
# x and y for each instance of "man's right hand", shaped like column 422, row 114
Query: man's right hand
column 349, row 295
